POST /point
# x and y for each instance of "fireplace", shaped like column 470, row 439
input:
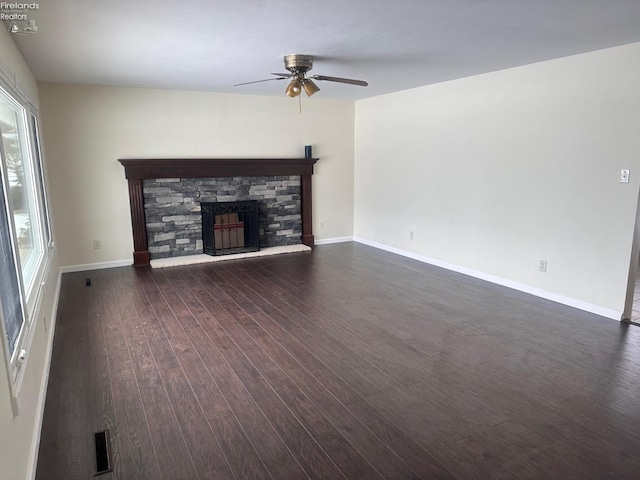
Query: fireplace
column 230, row 227
column 136, row 170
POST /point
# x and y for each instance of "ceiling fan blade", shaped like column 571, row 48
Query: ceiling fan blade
column 285, row 75
column 258, row 81
column 350, row 81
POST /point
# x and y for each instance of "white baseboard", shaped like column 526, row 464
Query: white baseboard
column 95, row 266
column 327, row 241
column 44, row 383
column 571, row 302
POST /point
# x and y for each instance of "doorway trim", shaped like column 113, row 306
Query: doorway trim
column 633, row 268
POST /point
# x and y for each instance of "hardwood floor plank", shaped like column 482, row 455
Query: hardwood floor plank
column 355, row 370
column 269, row 445
column 63, row 439
column 63, row 460
column 381, row 458
column 244, row 461
column 361, row 338
column 417, row 456
column 223, row 473
column 137, row 451
column 306, row 451
column 343, row 362
column 166, row 337
column 579, row 443
column 172, row 454
column 343, row 454
column 100, row 408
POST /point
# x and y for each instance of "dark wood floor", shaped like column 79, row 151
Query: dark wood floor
column 346, row 362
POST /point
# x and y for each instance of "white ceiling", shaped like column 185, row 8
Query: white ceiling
column 393, row 44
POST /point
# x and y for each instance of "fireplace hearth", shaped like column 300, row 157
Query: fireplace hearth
column 230, row 227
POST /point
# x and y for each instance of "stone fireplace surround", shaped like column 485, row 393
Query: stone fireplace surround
column 137, row 170
column 172, row 208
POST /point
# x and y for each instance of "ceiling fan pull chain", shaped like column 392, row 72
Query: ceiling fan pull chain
column 299, row 103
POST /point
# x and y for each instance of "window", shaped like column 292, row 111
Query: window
column 24, row 223
column 21, row 183
column 12, row 308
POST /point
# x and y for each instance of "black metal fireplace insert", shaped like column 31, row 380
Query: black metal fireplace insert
column 230, row 227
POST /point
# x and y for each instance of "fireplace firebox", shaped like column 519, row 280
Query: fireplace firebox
column 230, row 227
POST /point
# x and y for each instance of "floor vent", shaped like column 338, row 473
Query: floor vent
column 87, row 282
column 103, row 452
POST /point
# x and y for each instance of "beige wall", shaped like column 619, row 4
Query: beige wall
column 13, row 65
column 493, row 173
column 18, row 435
column 89, row 128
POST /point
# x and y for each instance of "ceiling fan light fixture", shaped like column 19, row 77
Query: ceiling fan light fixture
column 310, row 87
column 294, row 88
column 298, row 66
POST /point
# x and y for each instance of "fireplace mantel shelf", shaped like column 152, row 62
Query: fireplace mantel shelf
column 215, row 167
column 137, row 170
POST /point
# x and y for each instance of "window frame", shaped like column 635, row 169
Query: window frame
column 41, row 183
column 30, row 295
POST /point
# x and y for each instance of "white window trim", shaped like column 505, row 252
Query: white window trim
column 32, row 299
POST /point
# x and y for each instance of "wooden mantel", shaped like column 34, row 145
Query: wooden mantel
column 137, row 170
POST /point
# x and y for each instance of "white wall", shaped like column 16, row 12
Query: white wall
column 498, row 171
column 18, row 435
column 89, row 128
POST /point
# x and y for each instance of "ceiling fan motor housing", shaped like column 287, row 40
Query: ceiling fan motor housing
column 297, row 63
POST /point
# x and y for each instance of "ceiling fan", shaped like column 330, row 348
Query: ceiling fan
column 298, row 66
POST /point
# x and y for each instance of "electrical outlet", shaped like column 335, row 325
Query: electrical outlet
column 411, row 235
column 624, row 176
column 543, row 266
column 97, row 245
column 321, row 225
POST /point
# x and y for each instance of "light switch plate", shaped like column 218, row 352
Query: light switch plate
column 624, row 176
